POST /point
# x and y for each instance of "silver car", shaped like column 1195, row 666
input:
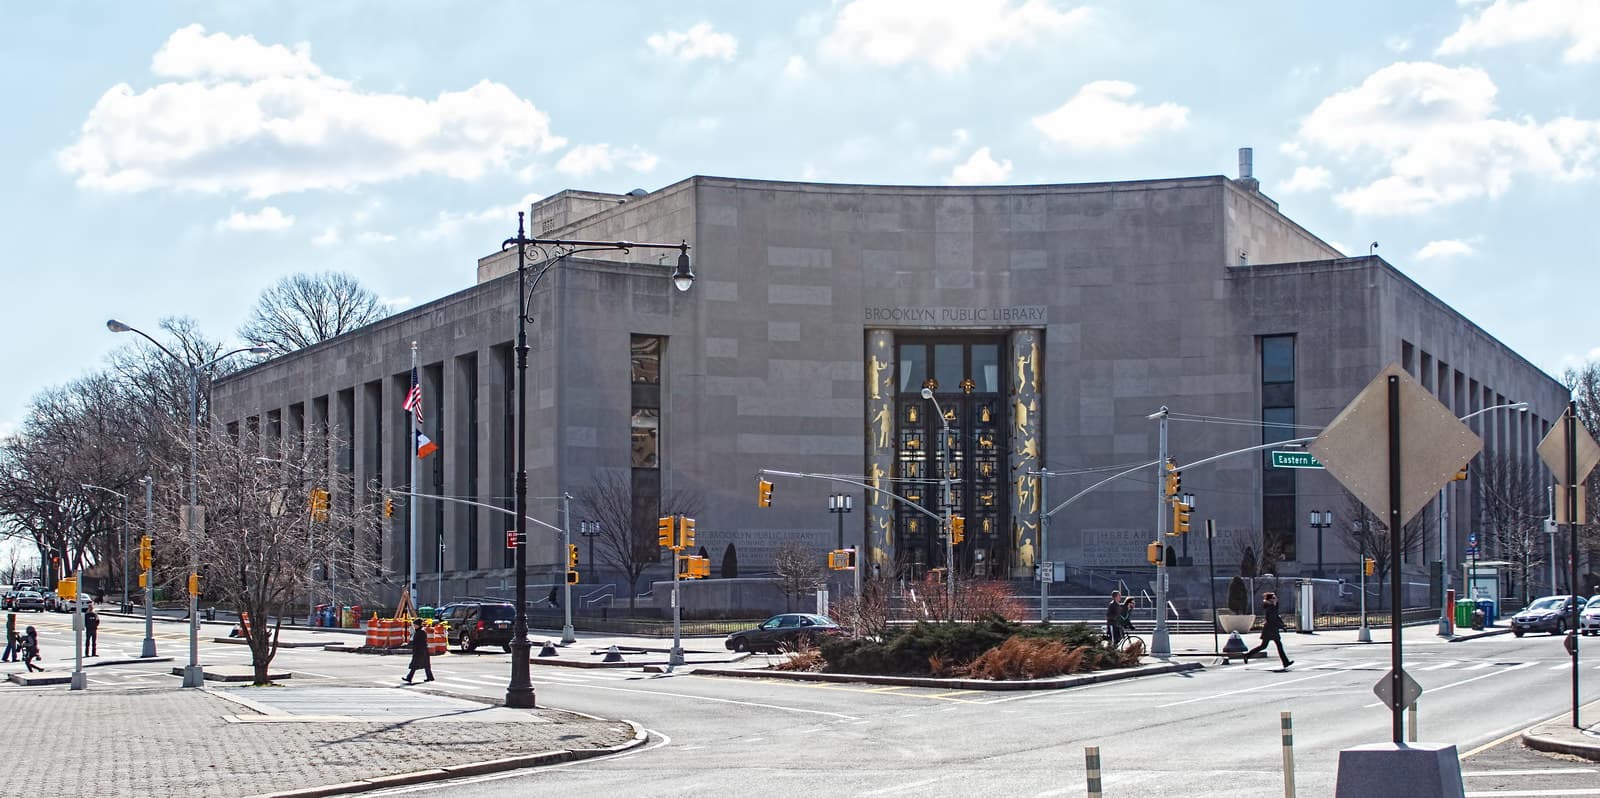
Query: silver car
column 1589, row 618
column 28, row 600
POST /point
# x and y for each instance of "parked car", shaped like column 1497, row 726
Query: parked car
column 1589, row 617
column 28, row 600
column 55, row 603
column 470, row 624
column 790, row 628
column 1547, row 614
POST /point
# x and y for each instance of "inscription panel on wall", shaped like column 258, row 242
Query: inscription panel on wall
column 954, row 315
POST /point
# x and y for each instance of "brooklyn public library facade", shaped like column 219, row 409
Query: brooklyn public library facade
column 1049, row 321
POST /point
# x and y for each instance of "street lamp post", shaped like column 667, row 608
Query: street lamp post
column 149, row 647
column 124, row 566
column 591, row 530
column 519, row 693
column 1446, row 623
column 1320, row 520
column 839, row 504
column 949, row 538
column 193, row 676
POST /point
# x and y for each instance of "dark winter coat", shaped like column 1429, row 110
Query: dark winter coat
column 91, row 622
column 1274, row 622
column 420, row 658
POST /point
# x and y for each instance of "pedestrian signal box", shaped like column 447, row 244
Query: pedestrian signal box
column 694, row 567
column 842, row 559
column 67, row 588
column 144, row 553
column 572, row 577
column 1152, row 553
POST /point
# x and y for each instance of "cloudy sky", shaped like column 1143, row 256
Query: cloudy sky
column 176, row 158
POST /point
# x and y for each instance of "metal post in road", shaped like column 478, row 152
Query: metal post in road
column 149, row 648
column 566, row 546
column 1160, row 644
column 1211, row 583
column 1286, row 726
column 1572, row 533
column 1044, row 547
column 675, row 658
column 1396, row 525
column 80, row 680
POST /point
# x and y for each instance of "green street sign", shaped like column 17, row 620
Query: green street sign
column 1294, row 460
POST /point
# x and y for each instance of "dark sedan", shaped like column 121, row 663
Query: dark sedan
column 791, row 628
column 1548, row 614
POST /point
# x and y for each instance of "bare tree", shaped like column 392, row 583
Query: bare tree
column 628, row 541
column 1370, row 538
column 261, row 541
column 1512, row 492
column 799, row 571
column 305, row 309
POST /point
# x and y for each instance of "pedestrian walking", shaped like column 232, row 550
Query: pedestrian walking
column 30, row 649
column 12, row 646
column 91, row 633
column 1114, row 618
column 1271, row 630
column 554, row 597
column 421, row 660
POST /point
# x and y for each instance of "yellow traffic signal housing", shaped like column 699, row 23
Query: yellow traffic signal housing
column 144, row 581
column 388, row 507
column 67, row 587
column 1460, row 475
column 1152, row 552
column 686, row 533
column 144, row 553
column 572, row 559
column 666, row 530
column 763, row 493
column 958, row 529
column 694, row 567
column 1174, row 479
column 194, row 585
column 1180, row 518
column 319, row 504
column 842, row 559
column 1371, row 566
column 572, row 577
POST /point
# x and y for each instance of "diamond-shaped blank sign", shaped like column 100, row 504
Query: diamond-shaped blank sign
column 1410, row 691
column 1434, row 445
column 1553, row 451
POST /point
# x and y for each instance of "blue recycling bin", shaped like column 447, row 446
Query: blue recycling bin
column 1489, row 611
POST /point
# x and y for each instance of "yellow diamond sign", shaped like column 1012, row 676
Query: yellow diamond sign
column 1434, row 445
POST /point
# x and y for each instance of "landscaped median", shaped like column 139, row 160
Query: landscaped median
column 992, row 654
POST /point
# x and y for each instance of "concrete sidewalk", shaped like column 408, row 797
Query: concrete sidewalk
column 1559, row 736
column 281, row 740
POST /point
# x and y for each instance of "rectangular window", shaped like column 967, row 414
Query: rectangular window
column 646, row 359
column 913, row 367
column 1278, row 521
column 1408, row 357
column 1277, row 359
column 948, row 366
column 986, row 368
column 646, row 431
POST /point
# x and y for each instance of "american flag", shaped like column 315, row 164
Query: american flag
column 413, row 402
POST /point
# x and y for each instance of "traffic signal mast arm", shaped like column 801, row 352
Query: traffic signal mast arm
column 767, row 472
column 454, row 500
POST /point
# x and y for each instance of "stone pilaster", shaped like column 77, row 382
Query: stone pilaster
column 880, row 383
column 1025, row 369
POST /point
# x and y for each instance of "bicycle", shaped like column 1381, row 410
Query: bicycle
column 1127, row 644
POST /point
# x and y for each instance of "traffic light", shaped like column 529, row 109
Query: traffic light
column 842, row 559
column 958, row 529
column 1461, row 475
column 67, row 588
column 388, row 507
column 144, row 553
column 666, row 530
column 1152, row 553
column 686, row 533
column 194, row 585
column 1370, row 567
column 694, row 567
column 763, row 493
column 511, row 538
column 572, row 577
column 1180, row 517
column 1174, row 479
column 319, row 504
column 572, row 556
column 144, row 581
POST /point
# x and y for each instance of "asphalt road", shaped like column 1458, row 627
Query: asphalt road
column 1208, row 733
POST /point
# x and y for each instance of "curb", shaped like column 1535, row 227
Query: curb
column 1476, row 635
column 962, row 684
column 1548, row 743
column 129, row 661
column 470, row 769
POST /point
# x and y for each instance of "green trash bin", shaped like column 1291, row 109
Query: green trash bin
column 1464, row 608
column 425, row 612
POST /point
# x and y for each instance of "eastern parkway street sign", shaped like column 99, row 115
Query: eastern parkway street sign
column 1294, row 460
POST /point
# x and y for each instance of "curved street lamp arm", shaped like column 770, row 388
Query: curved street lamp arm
column 833, row 478
column 117, row 326
column 474, row 504
column 1080, row 494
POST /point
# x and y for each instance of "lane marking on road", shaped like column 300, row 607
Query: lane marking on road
column 1561, row 667
column 904, row 787
column 891, row 688
column 1533, row 793
column 1447, row 663
column 1248, row 689
column 693, row 697
column 1478, row 667
column 1434, row 690
column 1549, row 772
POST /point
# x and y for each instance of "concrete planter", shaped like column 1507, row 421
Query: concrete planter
column 1235, row 624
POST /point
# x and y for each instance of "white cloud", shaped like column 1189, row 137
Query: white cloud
column 699, row 41
column 1398, row 44
column 796, row 68
column 1306, row 178
column 980, row 169
column 265, row 220
column 1510, row 22
column 939, row 154
column 1444, row 249
column 586, row 159
column 450, row 223
column 328, row 237
column 239, row 116
column 1430, row 134
column 1100, row 117
column 1339, row 245
column 373, row 237
column 944, row 33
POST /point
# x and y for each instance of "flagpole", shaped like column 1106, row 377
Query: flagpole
column 411, row 584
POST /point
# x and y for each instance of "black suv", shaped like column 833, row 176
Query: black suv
column 478, row 623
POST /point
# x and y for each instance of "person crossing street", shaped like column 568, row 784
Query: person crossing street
column 421, row 659
column 12, row 644
column 1271, row 630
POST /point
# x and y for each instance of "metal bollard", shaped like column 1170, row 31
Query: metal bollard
column 1287, row 722
column 1091, row 766
column 1411, row 722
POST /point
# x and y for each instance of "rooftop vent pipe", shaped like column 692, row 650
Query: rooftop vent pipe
column 1247, row 169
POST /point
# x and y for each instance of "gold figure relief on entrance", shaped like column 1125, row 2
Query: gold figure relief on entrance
column 881, row 449
column 1025, row 447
